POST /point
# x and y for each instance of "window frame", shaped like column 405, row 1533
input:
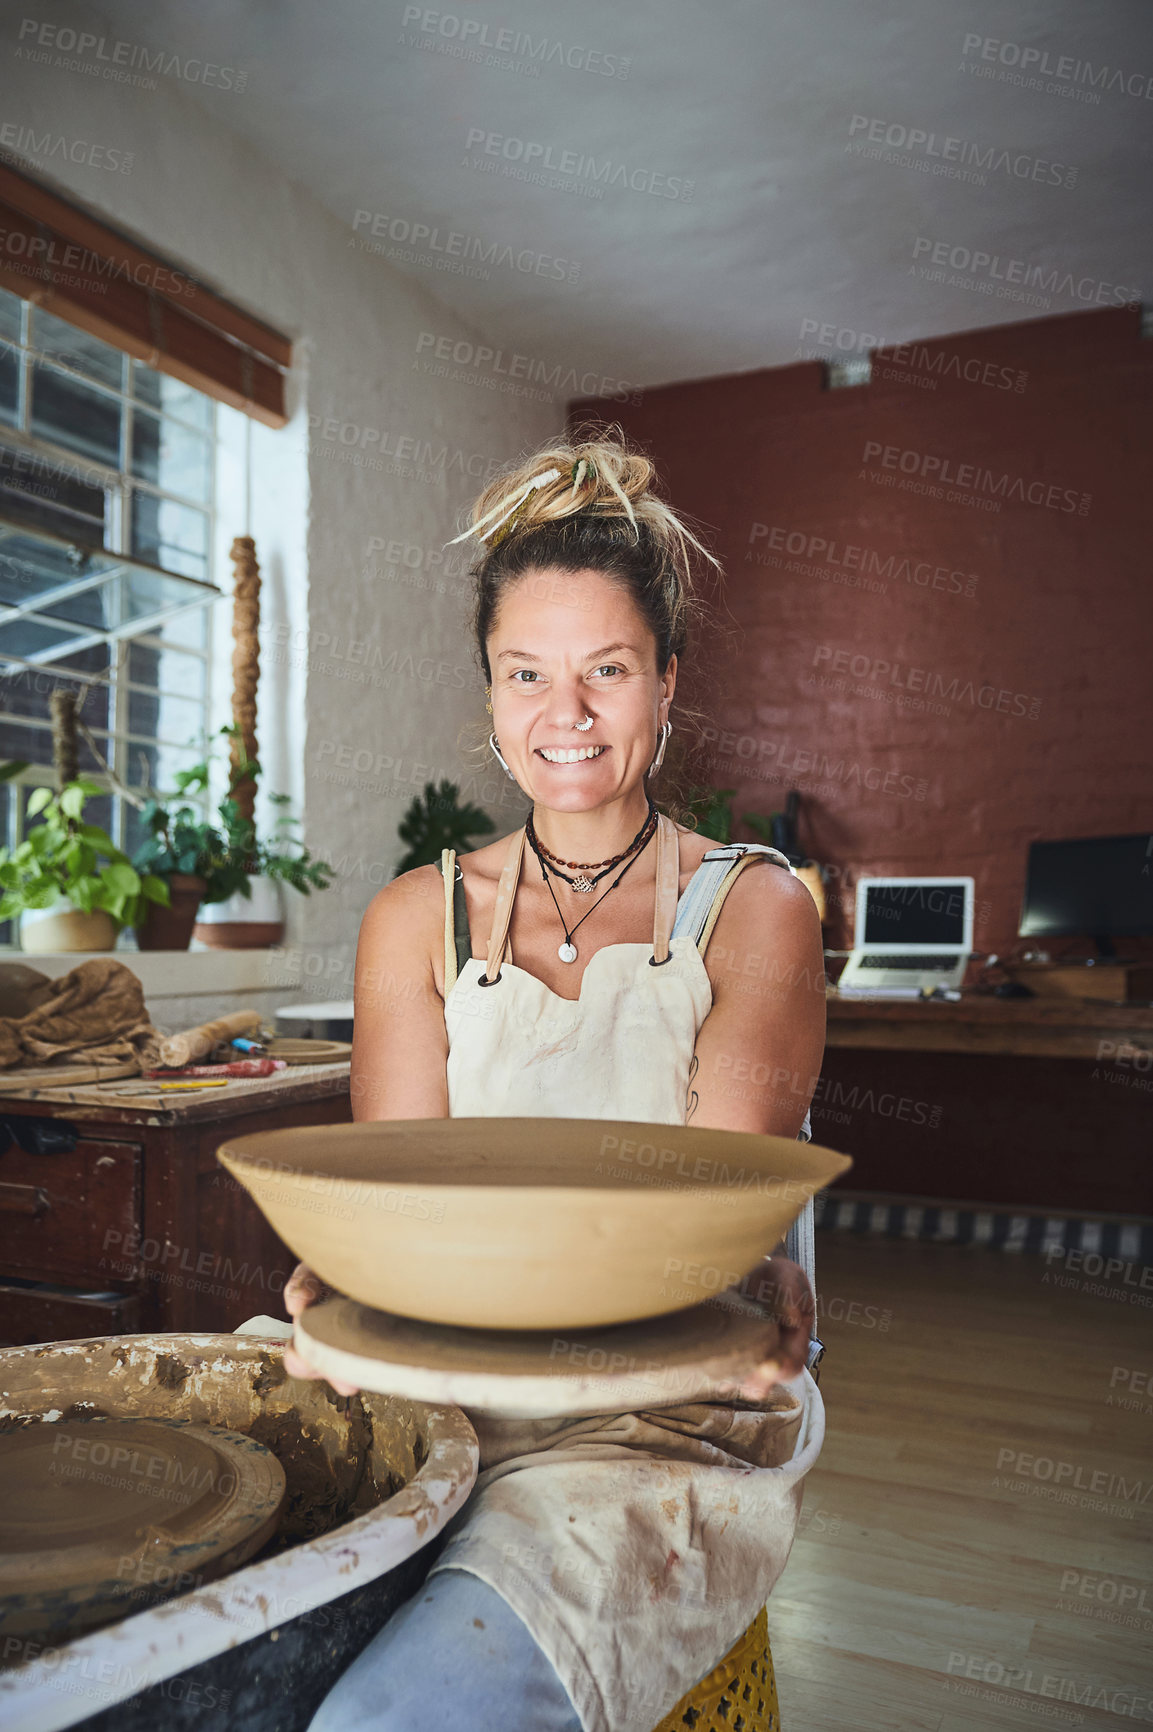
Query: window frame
column 119, row 744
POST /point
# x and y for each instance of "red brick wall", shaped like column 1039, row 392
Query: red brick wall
column 941, row 596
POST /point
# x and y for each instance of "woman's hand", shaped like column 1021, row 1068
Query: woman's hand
column 302, row 1289
column 782, row 1288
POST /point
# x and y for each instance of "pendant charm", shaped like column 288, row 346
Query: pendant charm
column 567, row 952
column 581, row 884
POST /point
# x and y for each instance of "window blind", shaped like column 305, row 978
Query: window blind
column 73, row 265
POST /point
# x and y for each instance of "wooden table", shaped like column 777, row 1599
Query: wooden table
column 115, row 1215
column 1044, row 1103
column 1081, row 1028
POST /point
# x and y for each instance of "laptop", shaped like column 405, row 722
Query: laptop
column 911, row 934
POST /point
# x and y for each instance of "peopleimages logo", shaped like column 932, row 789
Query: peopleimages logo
column 971, row 478
column 993, row 274
column 46, row 145
column 452, row 250
column 945, row 154
column 915, row 687
column 1039, row 64
column 576, row 168
column 120, row 62
column 58, row 260
column 472, row 34
column 849, row 560
column 481, row 364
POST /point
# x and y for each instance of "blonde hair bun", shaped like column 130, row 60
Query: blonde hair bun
column 599, row 475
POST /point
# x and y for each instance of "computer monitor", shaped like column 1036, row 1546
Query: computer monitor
column 1098, row 887
column 911, row 913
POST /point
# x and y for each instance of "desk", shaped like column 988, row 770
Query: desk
column 115, row 1215
column 1043, row 1103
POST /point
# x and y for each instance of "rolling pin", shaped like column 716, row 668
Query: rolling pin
column 196, row 1043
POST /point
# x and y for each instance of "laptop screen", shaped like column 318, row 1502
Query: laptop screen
column 901, row 915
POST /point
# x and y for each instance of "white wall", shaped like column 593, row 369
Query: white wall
column 355, row 753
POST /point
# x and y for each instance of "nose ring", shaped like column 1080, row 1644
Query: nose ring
column 583, row 727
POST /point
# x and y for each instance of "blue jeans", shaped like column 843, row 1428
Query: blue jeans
column 454, row 1658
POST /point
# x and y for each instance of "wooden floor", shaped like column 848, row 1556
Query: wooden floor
column 942, row 1579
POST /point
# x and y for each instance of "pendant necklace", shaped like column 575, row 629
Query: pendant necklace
column 583, row 884
column 568, row 950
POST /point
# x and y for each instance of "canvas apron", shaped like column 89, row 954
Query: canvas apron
column 638, row 1546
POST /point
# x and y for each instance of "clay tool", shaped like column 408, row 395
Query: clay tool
column 239, row 1067
column 250, row 1046
column 200, row 1083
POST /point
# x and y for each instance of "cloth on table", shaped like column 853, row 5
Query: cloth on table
column 94, row 1013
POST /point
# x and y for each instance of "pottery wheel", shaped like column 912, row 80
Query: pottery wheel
column 296, row 1049
column 101, row 1517
column 698, row 1354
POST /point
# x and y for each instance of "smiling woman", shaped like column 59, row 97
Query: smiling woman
column 584, row 599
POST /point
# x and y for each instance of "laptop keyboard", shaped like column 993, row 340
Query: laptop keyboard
column 921, row 961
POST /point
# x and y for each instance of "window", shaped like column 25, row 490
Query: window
column 107, row 479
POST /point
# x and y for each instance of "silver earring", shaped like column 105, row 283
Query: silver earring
column 583, row 727
column 660, row 757
column 496, row 749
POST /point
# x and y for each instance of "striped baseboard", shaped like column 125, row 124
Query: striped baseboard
column 998, row 1226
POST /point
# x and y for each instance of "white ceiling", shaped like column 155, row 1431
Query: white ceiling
column 751, row 100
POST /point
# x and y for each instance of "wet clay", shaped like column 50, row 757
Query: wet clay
column 340, row 1456
column 88, row 1501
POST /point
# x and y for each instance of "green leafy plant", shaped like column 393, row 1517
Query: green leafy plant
column 181, row 841
column 713, row 810
column 760, row 825
column 227, row 853
column 437, row 821
column 64, row 856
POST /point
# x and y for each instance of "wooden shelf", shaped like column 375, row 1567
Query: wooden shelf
column 1025, row 1027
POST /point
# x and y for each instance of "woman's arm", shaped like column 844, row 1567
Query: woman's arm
column 759, row 1051
column 399, row 1040
column 758, row 1057
column 399, row 1043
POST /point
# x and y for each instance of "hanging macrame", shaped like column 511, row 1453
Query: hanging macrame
column 245, row 668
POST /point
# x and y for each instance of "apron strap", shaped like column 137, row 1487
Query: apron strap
column 499, row 949
column 457, row 935
column 664, row 906
column 448, row 871
column 668, row 888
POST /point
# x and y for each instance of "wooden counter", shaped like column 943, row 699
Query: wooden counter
column 115, row 1214
column 1037, row 1102
column 1027, row 1027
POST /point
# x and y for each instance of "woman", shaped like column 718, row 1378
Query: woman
column 602, row 1566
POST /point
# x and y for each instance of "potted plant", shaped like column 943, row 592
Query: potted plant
column 242, row 908
column 185, row 849
column 436, row 821
column 70, row 885
column 182, row 849
column 249, row 914
column 713, row 810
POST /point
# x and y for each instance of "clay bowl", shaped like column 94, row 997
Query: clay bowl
column 518, row 1223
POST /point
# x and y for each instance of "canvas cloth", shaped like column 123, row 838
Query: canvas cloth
column 95, row 1012
column 636, row 1547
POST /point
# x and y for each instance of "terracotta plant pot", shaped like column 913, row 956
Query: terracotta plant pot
column 171, row 928
column 242, row 922
column 62, row 928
